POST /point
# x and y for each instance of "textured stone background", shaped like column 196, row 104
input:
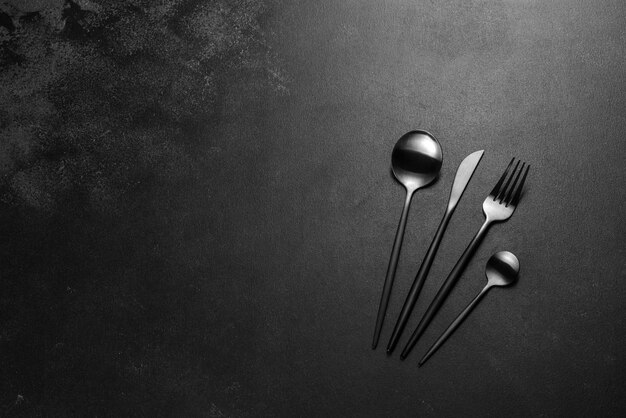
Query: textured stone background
column 196, row 210
column 113, row 131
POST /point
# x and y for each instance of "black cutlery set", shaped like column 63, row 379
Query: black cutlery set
column 416, row 161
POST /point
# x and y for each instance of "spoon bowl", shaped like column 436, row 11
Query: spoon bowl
column 502, row 269
column 416, row 159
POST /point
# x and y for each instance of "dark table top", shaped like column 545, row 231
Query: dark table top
column 197, row 207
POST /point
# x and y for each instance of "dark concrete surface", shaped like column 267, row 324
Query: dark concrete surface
column 197, row 210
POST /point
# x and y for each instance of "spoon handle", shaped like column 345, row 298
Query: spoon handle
column 454, row 325
column 418, row 283
column 445, row 288
column 391, row 269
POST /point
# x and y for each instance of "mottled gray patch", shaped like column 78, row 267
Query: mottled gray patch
column 99, row 95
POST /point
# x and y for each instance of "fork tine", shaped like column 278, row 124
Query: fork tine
column 518, row 193
column 509, row 193
column 496, row 188
column 506, row 186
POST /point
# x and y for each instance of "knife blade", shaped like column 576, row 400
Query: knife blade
column 463, row 175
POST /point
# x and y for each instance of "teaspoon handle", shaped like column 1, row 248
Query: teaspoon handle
column 454, row 325
column 391, row 269
column 418, row 283
column 445, row 288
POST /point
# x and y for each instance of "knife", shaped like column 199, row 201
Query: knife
column 463, row 176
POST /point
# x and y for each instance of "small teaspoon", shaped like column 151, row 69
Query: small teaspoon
column 502, row 270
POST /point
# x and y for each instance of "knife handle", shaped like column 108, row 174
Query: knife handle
column 445, row 289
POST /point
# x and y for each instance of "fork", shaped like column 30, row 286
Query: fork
column 497, row 207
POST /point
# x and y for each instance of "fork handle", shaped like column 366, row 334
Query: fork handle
column 454, row 325
column 446, row 288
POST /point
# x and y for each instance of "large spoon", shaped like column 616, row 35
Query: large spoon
column 502, row 270
column 415, row 161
